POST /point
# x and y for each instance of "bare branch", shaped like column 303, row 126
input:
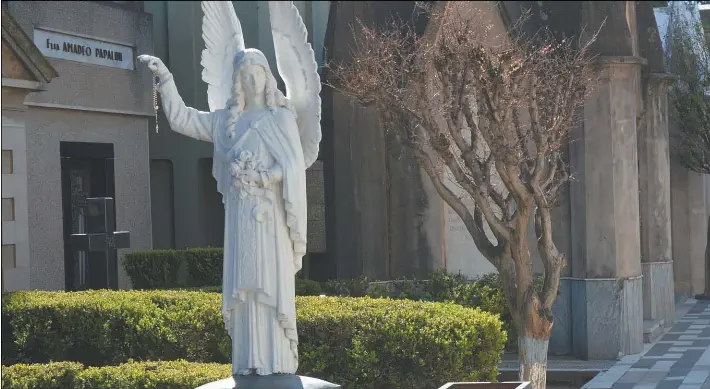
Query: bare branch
column 474, row 226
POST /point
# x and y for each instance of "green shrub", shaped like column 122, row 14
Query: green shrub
column 358, row 342
column 355, row 287
column 303, row 288
column 383, row 343
column 204, row 265
column 153, row 269
column 307, row 287
column 134, row 375
column 110, row 327
column 161, row 269
column 484, row 292
column 61, row 375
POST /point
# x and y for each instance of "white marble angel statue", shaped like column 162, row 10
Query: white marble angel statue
column 263, row 143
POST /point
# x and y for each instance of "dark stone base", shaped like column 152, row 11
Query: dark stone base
column 598, row 318
column 276, row 381
column 703, row 297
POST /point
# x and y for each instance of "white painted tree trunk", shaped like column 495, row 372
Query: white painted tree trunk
column 707, row 263
column 532, row 354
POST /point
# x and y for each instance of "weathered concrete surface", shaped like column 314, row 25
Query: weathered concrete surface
column 605, row 211
column 610, row 321
column 409, row 209
column 689, row 220
column 658, row 293
column 655, row 201
column 354, row 147
column 561, row 337
column 654, row 173
column 378, row 215
column 605, row 219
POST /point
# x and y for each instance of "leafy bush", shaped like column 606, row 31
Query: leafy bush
column 110, row 327
column 204, row 265
column 153, row 269
column 354, row 287
column 358, row 342
column 189, row 269
column 161, row 269
column 146, row 375
column 307, row 287
column 485, row 292
column 303, row 288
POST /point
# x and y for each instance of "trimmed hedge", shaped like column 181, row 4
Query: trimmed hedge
column 303, row 288
column 160, row 269
column 134, row 375
column 167, row 269
column 485, row 292
column 195, row 268
column 358, row 342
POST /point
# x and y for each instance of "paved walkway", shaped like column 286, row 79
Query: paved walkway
column 680, row 359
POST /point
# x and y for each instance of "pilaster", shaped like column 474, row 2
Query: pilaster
column 605, row 288
column 655, row 202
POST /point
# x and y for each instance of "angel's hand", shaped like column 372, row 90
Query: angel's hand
column 155, row 65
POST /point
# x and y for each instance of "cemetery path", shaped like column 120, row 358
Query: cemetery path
column 680, row 359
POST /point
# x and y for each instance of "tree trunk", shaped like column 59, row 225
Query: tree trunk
column 533, row 342
column 533, row 360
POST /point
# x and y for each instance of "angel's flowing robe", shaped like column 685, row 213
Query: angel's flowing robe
column 264, row 232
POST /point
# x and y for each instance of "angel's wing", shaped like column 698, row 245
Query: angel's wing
column 297, row 66
column 223, row 38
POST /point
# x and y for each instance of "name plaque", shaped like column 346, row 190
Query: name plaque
column 80, row 49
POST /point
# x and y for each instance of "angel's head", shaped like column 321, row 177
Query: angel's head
column 253, row 77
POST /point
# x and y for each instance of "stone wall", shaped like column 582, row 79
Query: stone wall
column 15, row 230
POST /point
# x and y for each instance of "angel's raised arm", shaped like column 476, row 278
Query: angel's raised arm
column 183, row 119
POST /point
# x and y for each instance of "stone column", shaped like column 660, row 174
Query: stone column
column 689, row 213
column 655, row 204
column 606, row 284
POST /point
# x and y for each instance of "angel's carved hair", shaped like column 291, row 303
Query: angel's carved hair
column 274, row 97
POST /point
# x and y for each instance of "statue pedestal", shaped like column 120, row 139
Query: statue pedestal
column 276, row 381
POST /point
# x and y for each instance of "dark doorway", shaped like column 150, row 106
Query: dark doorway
column 87, row 171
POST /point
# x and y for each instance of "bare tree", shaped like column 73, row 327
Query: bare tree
column 688, row 56
column 488, row 123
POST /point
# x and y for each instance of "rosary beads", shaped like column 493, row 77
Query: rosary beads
column 156, row 83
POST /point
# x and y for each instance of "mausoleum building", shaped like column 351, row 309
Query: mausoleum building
column 82, row 135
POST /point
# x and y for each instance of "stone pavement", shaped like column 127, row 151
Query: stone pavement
column 680, row 359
